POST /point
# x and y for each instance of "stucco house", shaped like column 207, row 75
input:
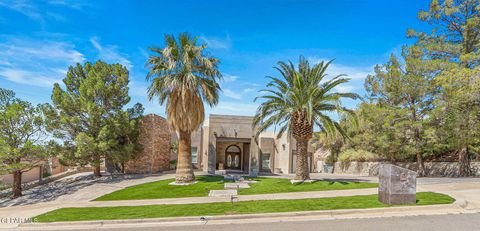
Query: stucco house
column 224, row 142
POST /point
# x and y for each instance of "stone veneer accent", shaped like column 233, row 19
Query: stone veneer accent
column 396, row 185
column 155, row 138
column 434, row 169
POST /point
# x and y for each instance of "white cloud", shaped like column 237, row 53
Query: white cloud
column 352, row 72
column 231, row 108
column 61, row 71
column 229, row 78
column 236, row 89
column 237, row 94
column 137, row 88
column 5, row 63
column 41, row 10
column 74, row 4
column 24, row 7
column 35, row 62
column 109, row 53
column 231, row 94
column 27, row 77
column 45, row 50
column 217, row 43
column 345, row 88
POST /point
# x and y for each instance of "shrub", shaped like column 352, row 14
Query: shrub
column 173, row 164
column 350, row 155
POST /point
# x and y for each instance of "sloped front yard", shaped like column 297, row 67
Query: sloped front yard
column 162, row 189
column 244, row 207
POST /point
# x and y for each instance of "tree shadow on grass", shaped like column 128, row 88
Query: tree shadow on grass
column 209, row 179
column 340, row 182
column 345, row 180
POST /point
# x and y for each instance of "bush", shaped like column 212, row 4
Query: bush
column 4, row 186
column 350, row 155
column 173, row 164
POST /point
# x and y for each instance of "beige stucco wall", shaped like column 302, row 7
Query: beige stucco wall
column 204, row 148
column 284, row 149
column 228, row 126
column 224, row 126
column 29, row 176
column 197, row 137
column 283, row 160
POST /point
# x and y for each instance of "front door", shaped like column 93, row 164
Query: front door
column 233, row 158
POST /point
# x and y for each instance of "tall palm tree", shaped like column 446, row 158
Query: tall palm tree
column 302, row 99
column 183, row 76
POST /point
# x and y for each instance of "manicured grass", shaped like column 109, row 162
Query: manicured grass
column 244, row 207
column 279, row 185
column 161, row 189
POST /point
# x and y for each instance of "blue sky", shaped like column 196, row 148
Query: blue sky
column 40, row 39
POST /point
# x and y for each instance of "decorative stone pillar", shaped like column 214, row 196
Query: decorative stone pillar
column 155, row 138
column 396, row 185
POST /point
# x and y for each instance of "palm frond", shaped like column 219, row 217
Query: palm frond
column 182, row 75
column 301, row 90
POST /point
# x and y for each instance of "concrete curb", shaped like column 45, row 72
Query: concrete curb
column 319, row 215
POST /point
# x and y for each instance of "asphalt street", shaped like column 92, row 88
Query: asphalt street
column 412, row 223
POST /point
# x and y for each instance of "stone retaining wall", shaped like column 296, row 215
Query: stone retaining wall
column 436, row 169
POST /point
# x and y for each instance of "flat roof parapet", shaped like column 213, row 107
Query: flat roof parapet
column 217, row 116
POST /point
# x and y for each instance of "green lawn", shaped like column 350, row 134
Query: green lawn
column 245, row 207
column 279, row 185
column 161, row 189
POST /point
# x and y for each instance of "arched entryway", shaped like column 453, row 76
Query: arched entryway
column 233, row 157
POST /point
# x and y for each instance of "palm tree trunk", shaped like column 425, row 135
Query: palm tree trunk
column 335, row 155
column 17, row 184
column 464, row 162
column 301, row 170
column 184, row 173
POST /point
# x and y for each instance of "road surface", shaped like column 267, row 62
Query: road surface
column 413, row 223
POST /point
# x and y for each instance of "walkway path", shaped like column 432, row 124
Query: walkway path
column 26, row 207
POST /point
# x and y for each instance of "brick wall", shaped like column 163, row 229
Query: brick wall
column 155, row 138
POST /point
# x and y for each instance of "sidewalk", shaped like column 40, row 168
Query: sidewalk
column 467, row 195
column 202, row 200
column 253, row 218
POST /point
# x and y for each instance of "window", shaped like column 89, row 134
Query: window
column 265, row 161
column 233, row 148
column 194, row 155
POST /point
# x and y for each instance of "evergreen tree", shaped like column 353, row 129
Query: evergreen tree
column 452, row 47
column 88, row 115
column 21, row 130
column 406, row 85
